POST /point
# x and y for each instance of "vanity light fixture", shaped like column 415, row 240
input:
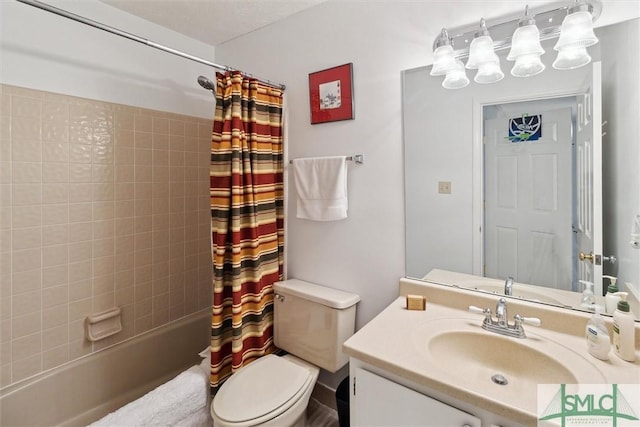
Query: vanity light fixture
column 523, row 35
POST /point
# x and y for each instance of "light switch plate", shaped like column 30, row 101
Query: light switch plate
column 444, row 187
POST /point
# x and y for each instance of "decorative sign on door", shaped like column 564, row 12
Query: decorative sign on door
column 525, row 128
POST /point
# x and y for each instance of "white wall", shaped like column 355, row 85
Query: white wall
column 364, row 253
column 43, row 51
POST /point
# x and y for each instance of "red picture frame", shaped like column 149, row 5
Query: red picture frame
column 331, row 94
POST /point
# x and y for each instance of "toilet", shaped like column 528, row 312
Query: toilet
column 310, row 323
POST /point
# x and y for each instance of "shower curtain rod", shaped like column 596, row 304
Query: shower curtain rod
column 127, row 35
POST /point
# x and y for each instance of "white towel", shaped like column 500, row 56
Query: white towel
column 184, row 397
column 321, row 183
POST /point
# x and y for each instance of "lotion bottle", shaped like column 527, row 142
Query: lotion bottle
column 623, row 331
column 611, row 300
column 598, row 341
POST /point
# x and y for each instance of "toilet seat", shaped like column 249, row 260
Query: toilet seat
column 276, row 383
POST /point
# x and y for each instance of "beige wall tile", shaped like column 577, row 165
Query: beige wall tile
column 55, row 357
column 104, row 302
column 26, row 238
column 143, row 122
column 25, row 325
column 53, row 152
column 26, row 172
column 55, row 255
column 55, row 173
column 55, row 296
column 55, row 276
column 96, row 213
column 27, row 281
column 81, row 232
column 24, row 260
column 79, row 348
column 103, row 266
column 55, row 336
column 80, row 290
column 55, row 214
column 26, row 366
column 80, row 153
column 26, row 194
column 80, row 173
column 80, row 270
column 55, row 234
column 143, row 324
column 143, row 140
column 25, row 347
column 104, row 229
column 55, row 193
column 80, row 251
column 124, row 296
column 124, row 173
column 160, row 141
column 80, row 192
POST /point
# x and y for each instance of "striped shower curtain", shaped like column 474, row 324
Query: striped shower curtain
column 247, row 220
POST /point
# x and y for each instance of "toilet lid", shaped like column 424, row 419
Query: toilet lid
column 266, row 386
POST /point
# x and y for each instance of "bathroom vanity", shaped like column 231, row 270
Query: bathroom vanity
column 439, row 367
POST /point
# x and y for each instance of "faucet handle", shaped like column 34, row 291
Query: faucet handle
column 485, row 311
column 478, row 310
column 534, row 321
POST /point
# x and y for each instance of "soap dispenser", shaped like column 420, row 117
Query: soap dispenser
column 623, row 330
column 588, row 299
column 598, row 341
column 610, row 299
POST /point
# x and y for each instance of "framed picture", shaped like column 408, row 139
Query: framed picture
column 331, row 94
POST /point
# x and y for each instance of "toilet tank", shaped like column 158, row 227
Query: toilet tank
column 312, row 321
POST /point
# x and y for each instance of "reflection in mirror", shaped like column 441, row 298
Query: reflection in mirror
column 443, row 138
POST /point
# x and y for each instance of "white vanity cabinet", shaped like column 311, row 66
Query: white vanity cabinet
column 380, row 402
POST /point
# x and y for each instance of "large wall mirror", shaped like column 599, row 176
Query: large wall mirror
column 458, row 178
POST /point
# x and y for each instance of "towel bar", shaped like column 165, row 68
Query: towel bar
column 358, row 158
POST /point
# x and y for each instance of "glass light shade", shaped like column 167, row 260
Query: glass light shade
column 456, row 78
column 576, row 31
column 525, row 41
column 527, row 66
column 480, row 52
column 443, row 60
column 568, row 59
column 489, row 72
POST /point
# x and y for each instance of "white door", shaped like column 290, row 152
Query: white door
column 383, row 403
column 528, row 200
column 589, row 180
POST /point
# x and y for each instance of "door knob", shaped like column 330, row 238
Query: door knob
column 584, row 256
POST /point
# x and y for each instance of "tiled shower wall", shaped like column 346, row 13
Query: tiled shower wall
column 101, row 205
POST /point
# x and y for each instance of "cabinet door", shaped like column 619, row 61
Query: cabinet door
column 380, row 402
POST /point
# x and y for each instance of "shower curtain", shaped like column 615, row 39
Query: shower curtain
column 247, row 220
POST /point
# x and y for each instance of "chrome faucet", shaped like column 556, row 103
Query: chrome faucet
column 501, row 324
column 508, row 286
column 501, row 313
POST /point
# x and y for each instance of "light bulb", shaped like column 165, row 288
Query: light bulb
column 576, row 29
column 571, row 58
column 456, row 78
column 489, row 72
column 527, row 66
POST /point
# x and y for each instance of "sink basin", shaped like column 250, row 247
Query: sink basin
column 481, row 356
column 475, row 356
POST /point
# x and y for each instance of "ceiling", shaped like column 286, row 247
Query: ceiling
column 213, row 21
